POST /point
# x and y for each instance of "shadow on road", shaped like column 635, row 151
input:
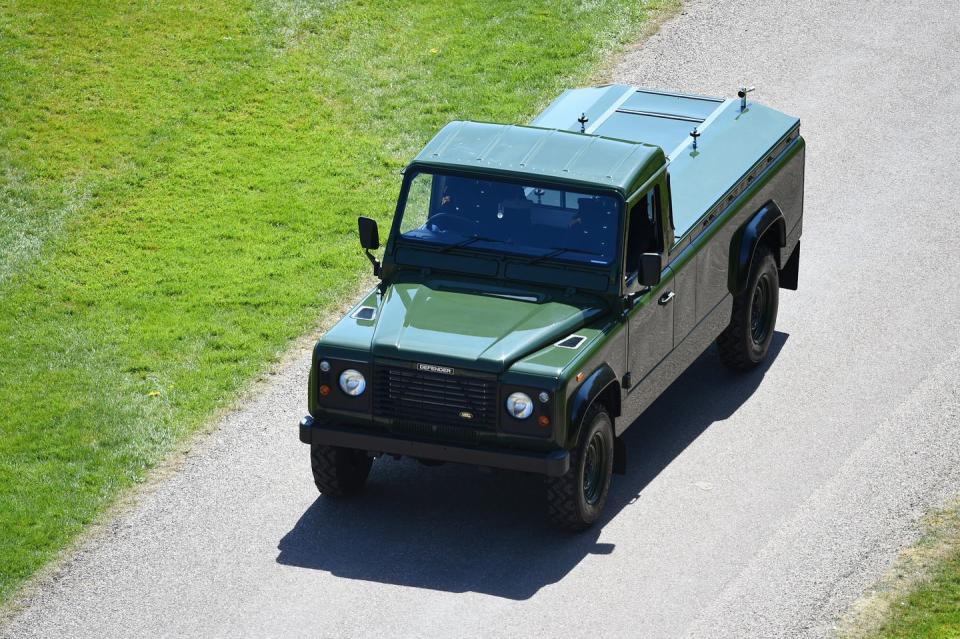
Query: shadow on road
column 457, row 529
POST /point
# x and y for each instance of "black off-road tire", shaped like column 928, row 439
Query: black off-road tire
column 746, row 340
column 339, row 472
column 571, row 505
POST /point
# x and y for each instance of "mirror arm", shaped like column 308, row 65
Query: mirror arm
column 374, row 261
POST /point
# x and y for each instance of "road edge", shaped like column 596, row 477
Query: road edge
column 190, row 446
column 913, row 568
column 196, row 442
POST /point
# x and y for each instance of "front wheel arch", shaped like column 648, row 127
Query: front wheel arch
column 601, row 386
column 576, row 499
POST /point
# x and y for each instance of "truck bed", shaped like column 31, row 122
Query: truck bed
column 732, row 143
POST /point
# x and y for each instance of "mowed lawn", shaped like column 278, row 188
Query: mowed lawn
column 931, row 609
column 179, row 186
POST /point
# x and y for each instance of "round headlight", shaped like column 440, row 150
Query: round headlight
column 352, row 382
column 519, row 405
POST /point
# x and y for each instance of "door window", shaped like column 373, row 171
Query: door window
column 644, row 233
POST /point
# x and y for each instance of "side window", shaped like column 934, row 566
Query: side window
column 644, row 232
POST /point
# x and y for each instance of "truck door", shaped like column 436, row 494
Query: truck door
column 651, row 320
column 651, row 328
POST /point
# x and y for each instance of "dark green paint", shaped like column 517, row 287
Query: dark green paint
column 465, row 308
column 551, row 154
column 461, row 329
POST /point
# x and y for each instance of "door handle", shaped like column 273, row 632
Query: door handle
column 666, row 297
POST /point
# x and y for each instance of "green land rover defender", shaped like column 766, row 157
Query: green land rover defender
column 541, row 285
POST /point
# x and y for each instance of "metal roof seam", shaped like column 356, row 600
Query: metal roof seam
column 454, row 132
column 703, row 126
column 613, row 109
column 578, row 154
column 533, row 149
column 494, row 142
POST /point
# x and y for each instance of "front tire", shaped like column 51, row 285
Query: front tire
column 746, row 340
column 339, row 472
column 576, row 499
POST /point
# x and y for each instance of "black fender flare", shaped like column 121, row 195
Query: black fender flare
column 581, row 401
column 767, row 219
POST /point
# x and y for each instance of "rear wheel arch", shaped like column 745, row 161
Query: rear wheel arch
column 765, row 227
column 746, row 340
column 775, row 238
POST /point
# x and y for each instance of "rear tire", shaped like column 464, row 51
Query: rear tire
column 339, row 472
column 746, row 340
column 576, row 499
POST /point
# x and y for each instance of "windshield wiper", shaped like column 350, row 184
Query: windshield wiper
column 558, row 250
column 470, row 240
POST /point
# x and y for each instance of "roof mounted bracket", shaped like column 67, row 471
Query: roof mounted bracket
column 583, row 119
column 742, row 94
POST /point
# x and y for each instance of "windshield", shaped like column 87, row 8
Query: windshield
column 543, row 223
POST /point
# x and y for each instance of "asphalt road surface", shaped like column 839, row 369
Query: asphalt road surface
column 753, row 506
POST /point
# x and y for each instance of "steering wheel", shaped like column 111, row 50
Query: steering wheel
column 451, row 222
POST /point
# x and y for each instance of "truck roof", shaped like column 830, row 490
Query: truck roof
column 628, row 113
column 731, row 143
column 537, row 152
column 628, row 135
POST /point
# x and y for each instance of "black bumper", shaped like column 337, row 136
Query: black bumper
column 553, row 464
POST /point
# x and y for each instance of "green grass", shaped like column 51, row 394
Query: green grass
column 179, row 184
column 932, row 609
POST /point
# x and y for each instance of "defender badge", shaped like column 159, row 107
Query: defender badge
column 465, row 414
column 432, row 368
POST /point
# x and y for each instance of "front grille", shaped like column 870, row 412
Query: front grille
column 417, row 398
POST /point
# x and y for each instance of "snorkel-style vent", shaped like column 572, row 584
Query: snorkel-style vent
column 364, row 313
column 573, row 342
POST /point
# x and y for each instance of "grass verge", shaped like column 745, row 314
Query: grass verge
column 179, row 184
column 919, row 598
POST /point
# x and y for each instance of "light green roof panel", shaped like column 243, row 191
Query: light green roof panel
column 532, row 152
column 681, row 105
column 624, row 112
column 593, row 102
column 731, row 143
column 666, row 133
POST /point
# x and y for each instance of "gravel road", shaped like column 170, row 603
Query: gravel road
column 753, row 506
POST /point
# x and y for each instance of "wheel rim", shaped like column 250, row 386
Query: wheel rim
column 760, row 311
column 594, row 463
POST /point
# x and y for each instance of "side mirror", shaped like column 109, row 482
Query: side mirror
column 369, row 233
column 650, row 264
column 370, row 240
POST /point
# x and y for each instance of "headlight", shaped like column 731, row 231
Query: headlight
column 519, row 405
column 352, row 382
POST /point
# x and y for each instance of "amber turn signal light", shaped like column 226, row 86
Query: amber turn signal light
column 544, row 421
column 324, row 390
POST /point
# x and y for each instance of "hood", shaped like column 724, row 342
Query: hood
column 476, row 331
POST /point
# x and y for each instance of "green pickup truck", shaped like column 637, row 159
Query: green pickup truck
column 541, row 285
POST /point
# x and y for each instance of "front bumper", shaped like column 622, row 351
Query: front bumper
column 554, row 464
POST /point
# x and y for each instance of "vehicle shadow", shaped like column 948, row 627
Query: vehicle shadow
column 457, row 529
